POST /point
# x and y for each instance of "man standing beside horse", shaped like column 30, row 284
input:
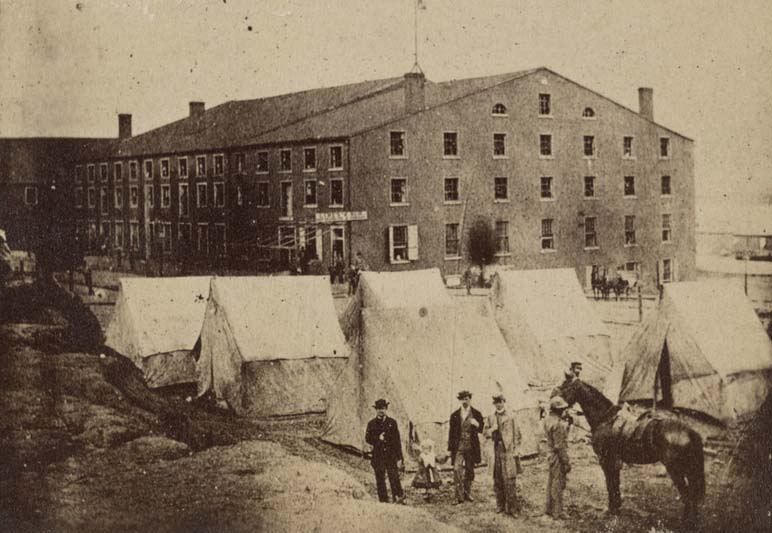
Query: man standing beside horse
column 466, row 424
column 556, row 430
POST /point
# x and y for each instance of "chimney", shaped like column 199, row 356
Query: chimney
column 646, row 102
column 124, row 125
column 414, row 91
column 196, row 109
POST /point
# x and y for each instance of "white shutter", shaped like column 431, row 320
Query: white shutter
column 390, row 244
column 660, row 272
column 318, row 237
column 301, row 237
column 674, row 269
column 412, row 242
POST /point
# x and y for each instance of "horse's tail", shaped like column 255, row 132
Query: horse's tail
column 697, row 472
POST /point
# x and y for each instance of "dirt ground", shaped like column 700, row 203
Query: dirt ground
column 84, row 445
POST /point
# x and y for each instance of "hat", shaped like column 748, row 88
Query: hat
column 464, row 394
column 381, row 404
column 576, row 363
column 499, row 398
column 557, row 403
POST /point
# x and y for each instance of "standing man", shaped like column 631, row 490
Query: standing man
column 556, row 430
column 383, row 435
column 502, row 428
column 466, row 424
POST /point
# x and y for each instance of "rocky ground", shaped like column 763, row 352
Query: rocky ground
column 84, row 445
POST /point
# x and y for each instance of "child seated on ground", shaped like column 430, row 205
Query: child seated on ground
column 427, row 477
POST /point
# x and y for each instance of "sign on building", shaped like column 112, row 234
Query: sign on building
column 336, row 217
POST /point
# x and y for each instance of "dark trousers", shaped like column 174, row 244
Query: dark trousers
column 380, row 481
column 463, row 474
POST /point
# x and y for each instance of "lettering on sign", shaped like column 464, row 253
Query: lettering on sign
column 340, row 216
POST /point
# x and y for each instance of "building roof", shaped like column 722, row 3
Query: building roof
column 325, row 113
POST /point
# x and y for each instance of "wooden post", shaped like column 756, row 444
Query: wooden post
column 640, row 298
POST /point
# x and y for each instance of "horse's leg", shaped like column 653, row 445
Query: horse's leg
column 611, row 468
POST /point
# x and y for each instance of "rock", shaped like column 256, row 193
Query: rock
column 150, row 449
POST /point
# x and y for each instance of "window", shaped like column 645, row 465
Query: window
column 219, row 240
column 31, row 195
column 450, row 144
column 666, row 229
column 219, row 194
column 103, row 172
column 285, row 161
column 589, row 146
column 309, row 196
column 262, row 162
column 182, row 167
column 91, row 173
column 104, row 231
column 166, row 196
column 133, row 196
column 546, row 188
column 544, row 105
column 219, row 165
column 119, row 235
column 202, row 238
column 397, row 144
column 239, row 162
column 149, row 196
column 499, row 109
column 665, row 185
column 164, row 230
column 547, row 235
column 118, row 193
column 103, row 204
column 590, row 235
column 263, row 195
column 149, row 169
column 451, row 189
column 184, row 200
column 630, row 186
column 589, row 186
column 239, row 195
column 664, row 147
column 629, row 230
column 164, row 168
column 545, row 145
column 286, row 199
column 627, row 147
column 312, row 241
column 309, row 159
column 200, row 166
column 398, row 191
column 502, row 236
column 452, row 248
column 91, row 197
column 184, row 235
column 499, row 145
column 500, row 189
column 78, row 196
column 134, row 235
column 403, row 243
column 201, row 195
column 78, row 174
column 336, row 157
column 336, row 192
column 667, row 270
column 133, row 170
column 588, row 113
column 118, row 173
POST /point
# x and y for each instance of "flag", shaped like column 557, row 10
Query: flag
column 420, row 4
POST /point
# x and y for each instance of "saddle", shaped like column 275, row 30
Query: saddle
column 626, row 425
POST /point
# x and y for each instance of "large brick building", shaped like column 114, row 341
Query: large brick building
column 399, row 169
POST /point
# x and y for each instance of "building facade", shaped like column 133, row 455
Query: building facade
column 400, row 169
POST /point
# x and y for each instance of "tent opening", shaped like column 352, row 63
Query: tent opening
column 664, row 380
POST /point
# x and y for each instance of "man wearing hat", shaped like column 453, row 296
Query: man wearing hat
column 502, row 428
column 556, row 430
column 383, row 435
column 576, row 368
column 466, row 424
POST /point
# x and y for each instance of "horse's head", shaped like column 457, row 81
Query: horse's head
column 570, row 391
column 594, row 405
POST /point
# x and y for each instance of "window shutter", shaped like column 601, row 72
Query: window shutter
column 674, row 269
column 390, row 244
column 660, row 270
column 318, row 237
column 412, row 242
column 301, row 237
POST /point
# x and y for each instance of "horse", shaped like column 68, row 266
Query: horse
column 601, row 287
column 619, row 436
column 620, row 286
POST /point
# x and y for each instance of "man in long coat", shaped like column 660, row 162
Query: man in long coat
column 502, row 428
column 556, row 430
column 383, row 435
column 466, row 424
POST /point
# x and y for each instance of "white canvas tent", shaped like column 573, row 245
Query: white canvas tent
column 548, row 323
column 156, row 323
column 702, row 349
column 418, row 357
column 270, row 345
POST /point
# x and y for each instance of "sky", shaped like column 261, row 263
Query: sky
column 67, row 67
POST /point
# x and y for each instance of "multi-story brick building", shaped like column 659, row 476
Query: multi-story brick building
column 399, row 169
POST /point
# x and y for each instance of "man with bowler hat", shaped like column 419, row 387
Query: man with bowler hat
column 576, row 368
column 501, row 427
column 466, row 424
column 383, row 435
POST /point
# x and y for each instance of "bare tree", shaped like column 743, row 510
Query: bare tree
column 482, row 244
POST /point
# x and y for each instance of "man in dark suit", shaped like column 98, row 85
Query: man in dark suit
column 383, row 435
column 466, row 424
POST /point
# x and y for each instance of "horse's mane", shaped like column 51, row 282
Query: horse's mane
column 596, row 396
column 594, row 403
